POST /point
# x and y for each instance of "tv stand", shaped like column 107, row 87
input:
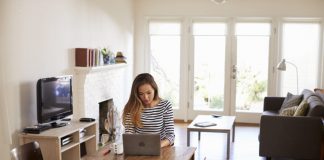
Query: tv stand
column 57, row 125
column 50, row 141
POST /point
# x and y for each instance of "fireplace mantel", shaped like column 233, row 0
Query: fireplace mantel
column 86, row 70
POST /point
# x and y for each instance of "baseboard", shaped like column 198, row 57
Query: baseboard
column 236, row 123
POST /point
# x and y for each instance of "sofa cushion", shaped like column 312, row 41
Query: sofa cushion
column 301, row 109
column 290, row 101
column 307, row 93
column 316, row 106
column 290, row 111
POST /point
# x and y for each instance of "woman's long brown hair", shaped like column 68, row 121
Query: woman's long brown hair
column 134, row 107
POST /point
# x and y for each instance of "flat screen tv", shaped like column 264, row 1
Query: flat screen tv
column 54, row 99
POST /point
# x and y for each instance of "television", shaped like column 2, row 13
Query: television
column 54, row 100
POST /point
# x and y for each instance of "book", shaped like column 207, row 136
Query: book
column 205, row 124
column 81, row 57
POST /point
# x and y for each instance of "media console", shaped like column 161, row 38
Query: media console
column 65, row 143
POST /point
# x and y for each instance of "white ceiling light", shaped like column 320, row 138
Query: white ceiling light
column 218, row 1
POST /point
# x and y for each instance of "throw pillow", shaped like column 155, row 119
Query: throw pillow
column 290, row 111
column 319, row 90
column 301, row 109
column 319, row 93
column 290, row 101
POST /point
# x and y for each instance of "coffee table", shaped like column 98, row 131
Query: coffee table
column 225, row 124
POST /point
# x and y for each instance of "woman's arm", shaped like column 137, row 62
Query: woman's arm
column 129, row 127
column 169, row 125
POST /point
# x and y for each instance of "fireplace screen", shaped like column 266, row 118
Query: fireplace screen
column 109, row 122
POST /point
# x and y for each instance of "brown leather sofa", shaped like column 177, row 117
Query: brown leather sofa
column 298, row 137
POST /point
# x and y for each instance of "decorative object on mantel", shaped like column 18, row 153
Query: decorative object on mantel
column 105, row 57
column 120, row 58
column 108, row 56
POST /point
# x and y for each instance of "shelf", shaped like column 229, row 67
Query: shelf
column 86, row 70
column 68, row 146
column 85, row 138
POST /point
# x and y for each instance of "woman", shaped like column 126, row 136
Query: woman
column 145, row 112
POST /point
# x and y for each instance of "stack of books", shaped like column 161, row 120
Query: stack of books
column 88, row 57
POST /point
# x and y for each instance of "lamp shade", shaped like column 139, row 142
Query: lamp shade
column 282, row 65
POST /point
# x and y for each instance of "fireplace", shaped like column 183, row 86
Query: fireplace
column 96, row 85
column 107, row 116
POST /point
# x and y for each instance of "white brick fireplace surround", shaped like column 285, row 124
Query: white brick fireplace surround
column 97, row 84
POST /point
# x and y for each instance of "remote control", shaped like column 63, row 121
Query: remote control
column 87, row 119
column 216, row 115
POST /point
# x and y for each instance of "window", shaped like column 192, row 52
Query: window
column 300, row 46
column 253, row 43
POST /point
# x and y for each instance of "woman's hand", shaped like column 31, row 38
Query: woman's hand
column 165, row 142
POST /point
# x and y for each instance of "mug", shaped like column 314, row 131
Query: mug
column 104, row 139
column 118, row 148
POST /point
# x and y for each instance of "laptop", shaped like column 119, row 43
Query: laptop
column 141, row 144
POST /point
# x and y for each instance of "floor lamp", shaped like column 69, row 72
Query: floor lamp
column 282, row 67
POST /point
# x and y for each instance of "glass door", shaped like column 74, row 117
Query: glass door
column 208, row 85
column 229, row 76
column 250, row 69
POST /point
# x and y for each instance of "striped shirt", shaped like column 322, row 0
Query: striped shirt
column 155, row 120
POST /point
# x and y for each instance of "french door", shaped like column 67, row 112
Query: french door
column 217, row 67
column 250, row 66
column 208, row 78
column 229, row 75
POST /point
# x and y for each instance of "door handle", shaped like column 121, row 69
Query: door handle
column 234, row 69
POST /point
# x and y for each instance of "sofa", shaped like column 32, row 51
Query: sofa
column 293, row 137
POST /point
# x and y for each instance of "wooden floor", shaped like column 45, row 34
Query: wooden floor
column 212, row 146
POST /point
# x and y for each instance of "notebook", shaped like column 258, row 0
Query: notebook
column 141, row 144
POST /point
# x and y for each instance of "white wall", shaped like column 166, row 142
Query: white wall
column 205, row 8
column 38, row 38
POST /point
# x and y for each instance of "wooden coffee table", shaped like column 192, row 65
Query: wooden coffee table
column 225, row 124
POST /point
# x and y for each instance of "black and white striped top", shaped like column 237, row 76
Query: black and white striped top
column 155, row 120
